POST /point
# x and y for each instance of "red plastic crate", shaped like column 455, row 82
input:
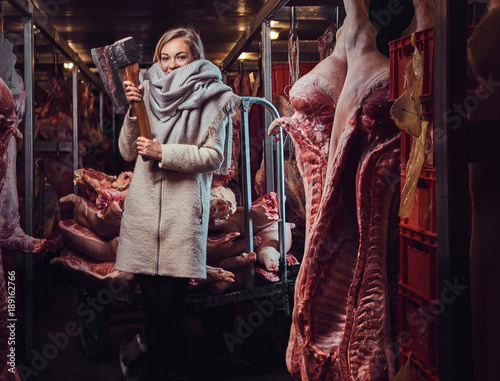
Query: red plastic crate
column 281, row 76
column 400, row 53
column 418, row 268
column 423, row 214
column 420, row 328
column 430, row 240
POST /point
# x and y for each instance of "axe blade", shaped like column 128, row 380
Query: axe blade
column 123, row 52
column 109, row 76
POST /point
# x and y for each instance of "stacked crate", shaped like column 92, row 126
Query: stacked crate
column 281, row 76
column 418, row 283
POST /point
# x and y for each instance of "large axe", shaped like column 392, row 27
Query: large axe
column 108, row 59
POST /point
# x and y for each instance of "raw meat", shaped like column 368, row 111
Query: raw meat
column 315, row 97
column 88, row 271
column 267, row 251
column 423, row 18
column 222, row 202
column 102, row 188
column 262, row 273
column 221, row 286
column 326, row 42
column 230, row 248
column 264, row 213
column 12, row 236
column 236, row 262
column 341, row 326
column 214, row 274
column 87, row 241
column 19, row 104
column 89, row 178
column 105, row 222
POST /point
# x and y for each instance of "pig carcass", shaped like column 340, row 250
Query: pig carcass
column 341, row 327
column 326, row 42
column 88, row 271
column 12, row 236
column 102, row 188
column 423, row 18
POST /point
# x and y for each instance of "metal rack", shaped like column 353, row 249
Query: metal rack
column 34, row 17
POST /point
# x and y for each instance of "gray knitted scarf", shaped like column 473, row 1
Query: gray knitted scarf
column 190, row 103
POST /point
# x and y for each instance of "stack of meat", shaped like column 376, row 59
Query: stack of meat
column 226, row 242
column 54, row 124
column 92, row 238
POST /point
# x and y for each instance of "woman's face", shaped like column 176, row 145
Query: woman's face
column 174, row 54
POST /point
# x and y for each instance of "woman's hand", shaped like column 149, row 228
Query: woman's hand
column 149, row 149
column 133, row 93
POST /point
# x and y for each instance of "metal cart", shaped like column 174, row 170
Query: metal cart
column 258, row 348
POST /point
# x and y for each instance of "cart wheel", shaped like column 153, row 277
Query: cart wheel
column 215, row 322
column 132, row 354
column 92, row 328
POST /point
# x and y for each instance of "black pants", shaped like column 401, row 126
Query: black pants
column 166, row 325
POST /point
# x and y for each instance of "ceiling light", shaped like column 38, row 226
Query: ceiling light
column 273, row 23
column 68, row 65
column 274, row 34
column 242, row 56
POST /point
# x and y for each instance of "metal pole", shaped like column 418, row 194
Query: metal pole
column 280, row 170
column 337, row 18
column 267, row 77
column 113, row 126
column 450, row 137
column 101, row 110
column 29, row 172
column 75, row 122
column 246, row 188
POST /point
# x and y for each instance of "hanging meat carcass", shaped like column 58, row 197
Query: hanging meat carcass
column 326, row 42
column 341, row 326
column 423, row 18
column 12, row 236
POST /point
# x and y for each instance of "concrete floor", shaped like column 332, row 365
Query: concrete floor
column 56, row 314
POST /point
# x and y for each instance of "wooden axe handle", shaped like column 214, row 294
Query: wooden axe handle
column 132, row 72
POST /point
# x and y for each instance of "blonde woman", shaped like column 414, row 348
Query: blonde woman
column 165, row 220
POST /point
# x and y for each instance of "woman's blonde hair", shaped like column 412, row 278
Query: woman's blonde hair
column 190, row 37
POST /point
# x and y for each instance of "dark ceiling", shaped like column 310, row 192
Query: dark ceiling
column 92, row 23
